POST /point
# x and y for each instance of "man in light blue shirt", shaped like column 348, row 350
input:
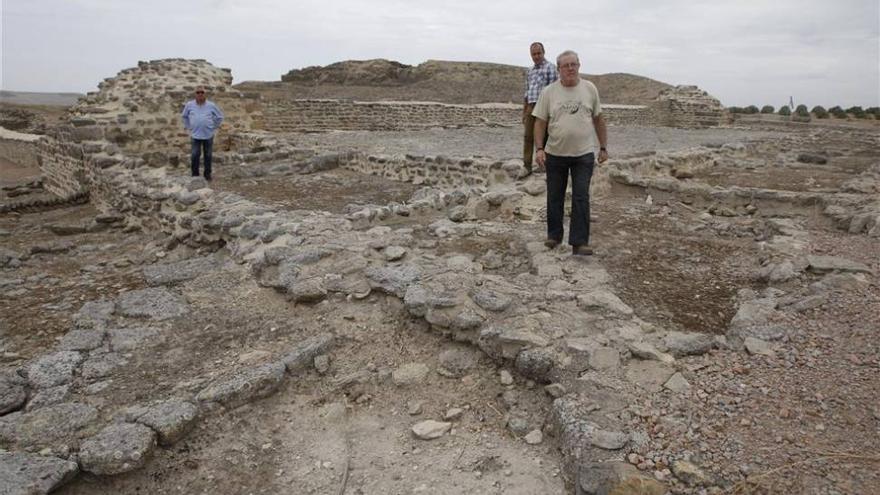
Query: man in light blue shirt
column 201, row 117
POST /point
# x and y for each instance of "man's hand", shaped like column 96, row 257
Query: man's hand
column 540, row 158
column 603, row 156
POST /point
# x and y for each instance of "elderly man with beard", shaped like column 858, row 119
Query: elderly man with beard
column 570, row 110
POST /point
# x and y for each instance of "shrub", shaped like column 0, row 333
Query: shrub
column 802, row 111
column 751, row 109
column 875, row 111
column 735, row 109
column 820, row 112
column 784, row 110
column 857, row 112
column 767, row 109
column 837, row 112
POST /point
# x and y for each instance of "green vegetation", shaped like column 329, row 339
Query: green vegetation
column 856, row 112
column 751, row 109
column 803, row 114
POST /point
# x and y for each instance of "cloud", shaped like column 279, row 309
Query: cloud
column 744, row 52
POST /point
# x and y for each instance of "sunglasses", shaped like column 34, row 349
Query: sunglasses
column 200, row 92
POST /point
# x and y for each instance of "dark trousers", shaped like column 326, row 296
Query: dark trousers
column 581, row 170
column 199, row 145
column 529, row 137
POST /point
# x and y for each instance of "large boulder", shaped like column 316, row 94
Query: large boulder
column 171, row 419
column 118, row 448
column 13, row 392
column 31, row 474
column 303, row 355
column 615, row 478
column 48, row 427
column 243, row 387
column 155, row 303
column 53, row 369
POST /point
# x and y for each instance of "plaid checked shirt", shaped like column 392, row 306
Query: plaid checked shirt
column 537, row 78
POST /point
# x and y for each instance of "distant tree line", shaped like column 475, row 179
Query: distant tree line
column 818, row 111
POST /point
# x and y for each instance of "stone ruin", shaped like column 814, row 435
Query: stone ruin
column 689, row 106
column 122, row 149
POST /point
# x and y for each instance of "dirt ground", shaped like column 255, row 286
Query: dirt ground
column 330, row 191
column 804, row 421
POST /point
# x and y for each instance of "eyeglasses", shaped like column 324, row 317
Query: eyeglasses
column 571, row 65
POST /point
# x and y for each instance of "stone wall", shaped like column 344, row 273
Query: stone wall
column 63, row 166
column 60, row 159
column 19, row 148
column 688, row 107
column 139, row 109
column 295, row 115
column 434, row 171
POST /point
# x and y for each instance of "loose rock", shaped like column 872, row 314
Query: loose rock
column 410, row 374
column 430, row 429
column 534, row 437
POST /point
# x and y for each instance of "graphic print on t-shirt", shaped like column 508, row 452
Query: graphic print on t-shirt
column 571, row 107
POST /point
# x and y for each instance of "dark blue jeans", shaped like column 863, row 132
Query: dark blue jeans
column 197, row 146
column 581, row 170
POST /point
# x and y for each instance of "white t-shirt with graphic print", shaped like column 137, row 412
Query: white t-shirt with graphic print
column 569, row 113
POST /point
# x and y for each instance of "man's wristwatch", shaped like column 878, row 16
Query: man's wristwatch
column 540, row 149
column 603, row 149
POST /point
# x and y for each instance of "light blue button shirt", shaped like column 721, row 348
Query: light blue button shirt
column 201, row 120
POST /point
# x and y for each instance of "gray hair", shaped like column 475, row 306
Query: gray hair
column 567, row 53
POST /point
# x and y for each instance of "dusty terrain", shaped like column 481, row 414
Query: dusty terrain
column 30, row 117
column 801, row 418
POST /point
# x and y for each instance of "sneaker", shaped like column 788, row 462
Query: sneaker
column 582, row 250
column 551, row 243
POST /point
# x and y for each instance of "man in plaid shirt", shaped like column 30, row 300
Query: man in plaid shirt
column 539, row 75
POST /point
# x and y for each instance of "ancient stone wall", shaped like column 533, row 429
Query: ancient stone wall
column 63, row 166
column 293, row 115
column 434, row 171
column 19, row 148
column 59, row 158
column 322, row 115
column 688, row 107
column 139, row 109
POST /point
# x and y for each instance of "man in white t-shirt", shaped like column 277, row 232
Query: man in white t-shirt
column 570, row 111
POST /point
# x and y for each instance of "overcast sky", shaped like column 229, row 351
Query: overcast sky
column 743, row 51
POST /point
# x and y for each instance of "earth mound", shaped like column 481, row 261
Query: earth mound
column 438, row 80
